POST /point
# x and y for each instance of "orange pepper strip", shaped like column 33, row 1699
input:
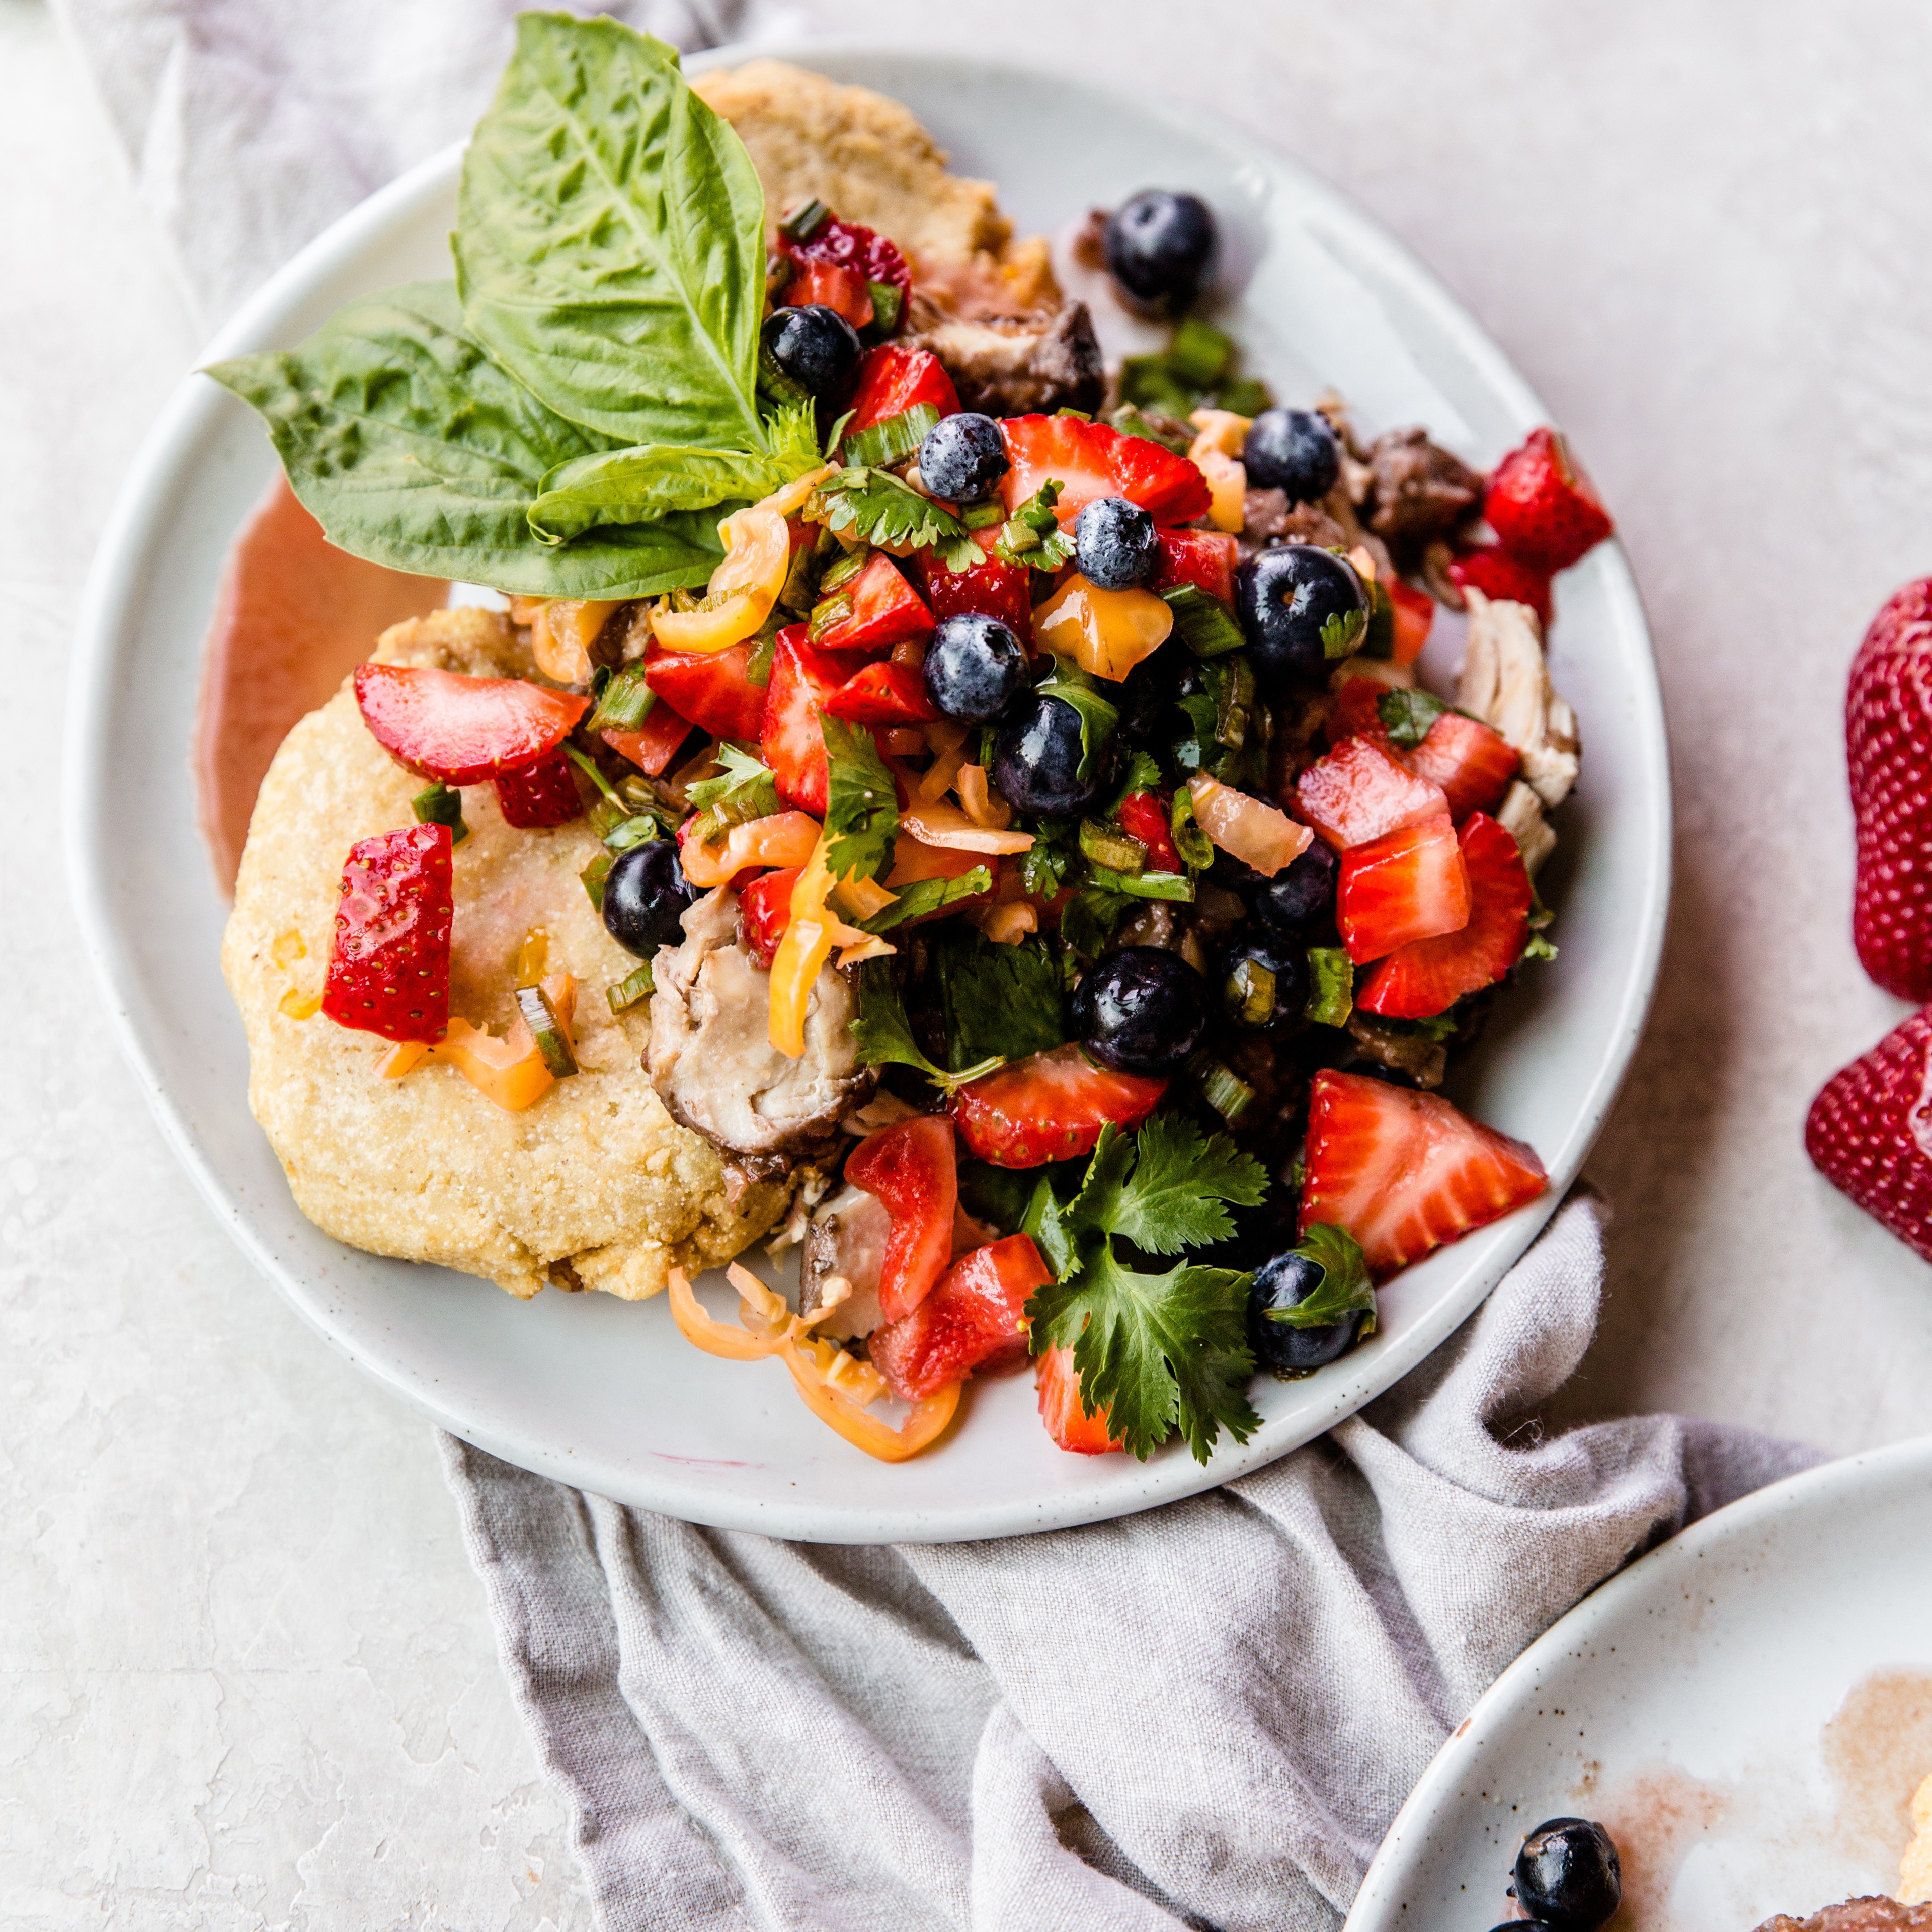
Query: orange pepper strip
column 714, row 1337
column 921, row 1429
column 806, row 946
column 510, row 1071
column 780, row 839
column 403, row 1057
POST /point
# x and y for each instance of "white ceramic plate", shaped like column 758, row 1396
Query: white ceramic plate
column 1747, row 1710
column 605, row 1394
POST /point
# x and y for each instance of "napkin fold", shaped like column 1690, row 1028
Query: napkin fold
column 1205, row 1715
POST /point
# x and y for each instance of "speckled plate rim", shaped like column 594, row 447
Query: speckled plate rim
column 1658, row 1585
column 1454, row 1282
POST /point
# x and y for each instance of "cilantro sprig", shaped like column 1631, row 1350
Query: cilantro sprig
column 884, row 1035
column 745, row 789
column 1032, row 534
column 874, row 506
column 1344, row 1289
column 1157, row 1352
column 862, row 809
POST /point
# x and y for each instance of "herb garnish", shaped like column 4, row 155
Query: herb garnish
column 884, row 1035
column 874, row 506
column 996, row 1001
column 1406, row 716
column 1032, row 534
column 1344, row 1289
column 745, row 789
column 862, row 809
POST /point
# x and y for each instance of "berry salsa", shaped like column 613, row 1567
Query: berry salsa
column 1057, row 781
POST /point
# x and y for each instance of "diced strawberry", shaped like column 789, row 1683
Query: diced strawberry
column 883, row 694
column 1146, row 816
column 1498, row 574
column 892, row 379
column 1429, row 976
column 974, row 1315
column 1404, row 886
column 1089, row 459
column 802, row 680
column 992, row 588
column 1354, row 715
column 462, row 730
column 1542, row 505
column 1473, row 764
column 841, row 289
column 709, row 687
column 764, row 911
column 853, row 246
column 912, row 1168
column 388, row 958
column 1405, row 1172
column 1362, row 791
column 544, row 793
column 655, row 742
column 1049, row 1106
column 1204, row 557
column 1066, row 1422
column 886, row 610
column 1414, row 613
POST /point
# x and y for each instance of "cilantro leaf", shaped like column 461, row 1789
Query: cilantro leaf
column 1143, row 775
column 1090, row 918
column 1341, row 632
column 1175, row 1194
column 1099, row 718
column 1406, row 716
column 1155, row 1350
column 1344, row 1289
column 874, row 506
column 743, row 790
column 884, row 1035
column 861, row 810
column 1003, row 1001
column 1043, row 866
column 791, row 429
column 1032, row 534
column 929, row 895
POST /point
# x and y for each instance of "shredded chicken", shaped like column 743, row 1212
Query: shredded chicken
column 844, row 1250
column 1505, row 683
column 1520, row 814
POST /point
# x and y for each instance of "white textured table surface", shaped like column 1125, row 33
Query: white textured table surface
column 248, row 1682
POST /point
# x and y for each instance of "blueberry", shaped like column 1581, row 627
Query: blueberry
column 963, row 457
column 1036, row 759
column 1115, row 543
column 1286, row 1282
column 1264, row 982
column 645, row 894
column 1283, row 597
column 1302, row 894
column 974, row 667
column 1146, row 698
column 1568, row 1876
column 1141, row 1010
column 816, row 347
column 1293, row 450
column 1159, row 245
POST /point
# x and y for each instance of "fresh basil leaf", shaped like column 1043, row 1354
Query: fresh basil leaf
column 631, row 486
column 611, row 239
column 884, row 1035
column 929, row 895
column 1002, row 1001
column 1331, row 986
column 861, row 810
column 413, row 449
column 1406, row 716
column 1344, row 1289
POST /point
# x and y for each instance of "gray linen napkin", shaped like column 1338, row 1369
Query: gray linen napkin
column 1207, row 1714
column 1203, row 1715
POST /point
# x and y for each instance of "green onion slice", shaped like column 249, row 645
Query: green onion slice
column 635, row 985
column 1206, row 625
column 802, row 224
column 892, row 439
column 441, row 804
column 546, row 1030
column 625, row 702
column 1108, row 846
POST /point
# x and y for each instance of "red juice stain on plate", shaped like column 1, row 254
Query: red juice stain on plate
column 294, row 616
column 1656, row 1817
column 1878, row 1748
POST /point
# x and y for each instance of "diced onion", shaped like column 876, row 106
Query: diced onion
column 1258, row 834
column 979, row 803
column 947, row 825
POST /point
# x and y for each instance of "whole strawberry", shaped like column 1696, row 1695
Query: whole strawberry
column 388, row 963
column 1888, row 749
column 1542, row 506
column 1870, row 1133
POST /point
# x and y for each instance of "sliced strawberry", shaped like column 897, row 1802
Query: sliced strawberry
column 764, row 911
column 1354, row 715
column 1403, row 886
column 1066, row 1422
column 992, row 588
column 973, row 1316
column 1414, row 614
column 1089, row 461
column 853, row 246
column 1147, row 816
column 912, row 1169
column 883, row 694
column 841, row 289
column 544, row 793
column 1203, row 557
column 1429, row 976
column 886, row 610
column 1542, row 505
column 1499, row 574
column 462, row 730
column 388, row 958
column 655, row 742
column 1362, row 791
column 1473, row 764
column 892, row 379
column 709, row 687
column 1049, row 1106
column 802, row 680
column 1405, row 1172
